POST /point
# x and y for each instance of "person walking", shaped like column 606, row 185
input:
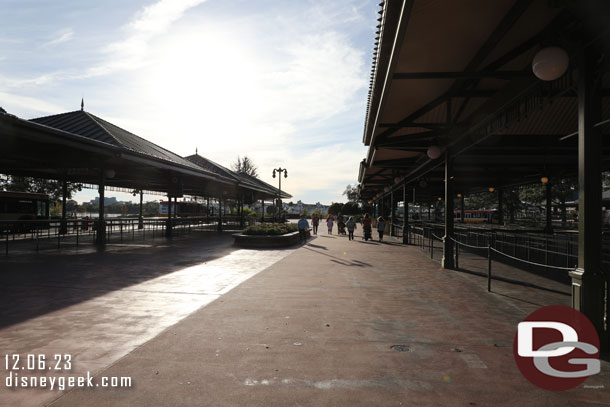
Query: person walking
column 329, row 223
column 303, row 226
column 380, row 227
column 351, row 226
column 366, row 227
column 315, row 221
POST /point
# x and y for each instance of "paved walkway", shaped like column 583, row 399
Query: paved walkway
column 319, row 327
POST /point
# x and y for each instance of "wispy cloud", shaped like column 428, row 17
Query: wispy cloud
column 130, row 53
column 27, row 104
column 60, row 37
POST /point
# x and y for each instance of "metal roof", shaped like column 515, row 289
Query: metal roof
column 90, row 126
column 244, row 180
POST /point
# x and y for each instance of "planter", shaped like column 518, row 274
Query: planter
column 261, row 241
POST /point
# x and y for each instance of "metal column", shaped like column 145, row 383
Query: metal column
column 448, row 261
column 392, row 213
column 63, row 228
column 141, row 217
column 588, row 285
column 100, row 236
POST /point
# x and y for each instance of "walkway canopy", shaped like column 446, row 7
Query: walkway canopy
column 457, row 75
column 81, row 147
column 455, row 107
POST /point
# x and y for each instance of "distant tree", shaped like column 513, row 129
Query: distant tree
column 482, row 200
column 245, row 166
column 271, row 210
column 351, row 208
column 351, row 192
column 335, row 208
column 49, row 187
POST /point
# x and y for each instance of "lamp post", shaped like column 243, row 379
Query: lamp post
column 279, row 198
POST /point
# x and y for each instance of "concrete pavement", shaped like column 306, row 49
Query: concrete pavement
column 341, row 322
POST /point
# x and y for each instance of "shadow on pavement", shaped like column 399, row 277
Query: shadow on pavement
column 35, row 285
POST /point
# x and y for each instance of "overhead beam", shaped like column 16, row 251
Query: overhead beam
column 507, row 75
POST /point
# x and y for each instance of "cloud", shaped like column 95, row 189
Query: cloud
column 28, row 104
column 131, row 53
column 61, row 37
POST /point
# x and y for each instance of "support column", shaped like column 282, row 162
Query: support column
column 588, row 285
column 241, row 212
column 263, row 210
column 500, row 206
column 100, row 235
column 220, row 212
column 63, row 228
column 448, row 261
column 462, row 208
column 392, row 213
column 549, row 220
column 168, row 223
column 141, row 217
column 207, row 211
column 405, row 223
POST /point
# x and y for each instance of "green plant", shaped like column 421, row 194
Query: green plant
column 270, row 229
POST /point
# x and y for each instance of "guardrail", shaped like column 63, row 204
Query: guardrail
column 558, row 251
column 34, row 233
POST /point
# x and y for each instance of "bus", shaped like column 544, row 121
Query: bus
column 184, row 209
column 23, row 206
column 478, row 216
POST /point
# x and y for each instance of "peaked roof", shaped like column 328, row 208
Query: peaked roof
column 211, row 166
column 90, row 126
column 245, row 180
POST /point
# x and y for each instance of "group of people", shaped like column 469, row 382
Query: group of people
column 367, row 225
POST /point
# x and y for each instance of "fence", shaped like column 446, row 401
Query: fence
column 36, row 233
column 522, row 248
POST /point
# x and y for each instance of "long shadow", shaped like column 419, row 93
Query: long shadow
column 39, row 284
column 316, row 246
column 341, row 261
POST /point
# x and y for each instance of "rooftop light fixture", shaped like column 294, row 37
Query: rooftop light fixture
column 491, row 189
column 544, row 180
column 550, row 63
column 433, row 152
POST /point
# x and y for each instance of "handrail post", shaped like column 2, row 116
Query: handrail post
column 489, row 268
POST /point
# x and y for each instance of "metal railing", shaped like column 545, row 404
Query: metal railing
column 38, row 234
column 551, row 252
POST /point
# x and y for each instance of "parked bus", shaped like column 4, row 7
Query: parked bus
column 184, row 209
column 478, row 216
column 23, row 206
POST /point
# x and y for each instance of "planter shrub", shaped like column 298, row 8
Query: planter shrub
column 270, row 229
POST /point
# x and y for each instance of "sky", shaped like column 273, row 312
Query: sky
column 283, row 82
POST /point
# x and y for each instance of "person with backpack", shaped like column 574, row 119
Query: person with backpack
column 351, row 226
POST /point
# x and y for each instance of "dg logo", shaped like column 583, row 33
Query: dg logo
column 556, row 348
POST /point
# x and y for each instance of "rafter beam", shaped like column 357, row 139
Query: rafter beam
column 507, row 75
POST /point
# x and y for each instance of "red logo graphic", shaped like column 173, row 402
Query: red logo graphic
column 556, row 348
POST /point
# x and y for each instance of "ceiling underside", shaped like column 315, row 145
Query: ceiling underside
column 460, row 78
